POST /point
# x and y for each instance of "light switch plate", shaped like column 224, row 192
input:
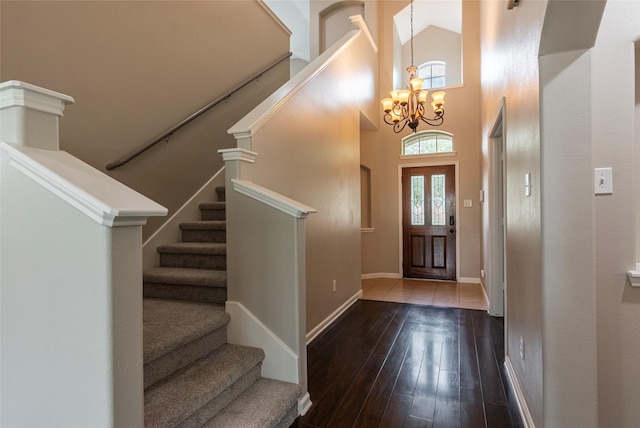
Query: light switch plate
column 468, row 203
column 603, row 181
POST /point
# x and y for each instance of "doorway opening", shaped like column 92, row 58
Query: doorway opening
column 496, row 273
column 429, row 211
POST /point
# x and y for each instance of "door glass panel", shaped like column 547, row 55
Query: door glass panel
column 417, row 200
column 437, row 200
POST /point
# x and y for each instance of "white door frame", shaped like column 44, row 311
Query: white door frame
column 455, row 164
column 496, row 272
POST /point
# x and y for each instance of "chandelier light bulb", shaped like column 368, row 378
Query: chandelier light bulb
column 416, row 83
column 387, row 104
column 438, row 98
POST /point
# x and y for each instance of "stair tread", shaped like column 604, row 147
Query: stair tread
column 170, row 324
column 262, row 405
column 170, row 402
column 187, row 276
column 215, row 248
column 204, row 225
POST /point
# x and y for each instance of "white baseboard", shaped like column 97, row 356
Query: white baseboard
column 527, row 420
column 484, row 293
column 304, row 404
column 380, row 275
column 331, row 318
column 280, row 361
column 468, row 280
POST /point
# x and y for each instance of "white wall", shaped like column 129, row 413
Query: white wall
column 618, row 305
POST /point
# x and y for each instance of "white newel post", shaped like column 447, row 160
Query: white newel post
column 29, row 114
column 70, row 277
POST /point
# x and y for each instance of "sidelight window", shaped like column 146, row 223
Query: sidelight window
column 417, row 200
column 438, row 200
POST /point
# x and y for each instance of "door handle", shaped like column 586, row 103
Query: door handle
column 452, row 220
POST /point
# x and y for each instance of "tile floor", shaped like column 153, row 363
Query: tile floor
column 424, row 292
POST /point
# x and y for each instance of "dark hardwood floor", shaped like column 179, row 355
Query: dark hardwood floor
column 399, row 365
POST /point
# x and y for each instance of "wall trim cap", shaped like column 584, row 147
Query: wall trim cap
column 97, row 195
column 272, row 199
column 238, row 154
column 14, row 93
column 634, row 276
column 256, row 118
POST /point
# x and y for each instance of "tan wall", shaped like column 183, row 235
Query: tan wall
column 509, row 41
column 380, row 152
column 309, row 151
column 136, row 68
column 568, row 251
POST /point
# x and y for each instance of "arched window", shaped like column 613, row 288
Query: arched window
column 434, row 74
column 427, row 142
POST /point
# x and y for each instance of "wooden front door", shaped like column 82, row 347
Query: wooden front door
column 428, row 222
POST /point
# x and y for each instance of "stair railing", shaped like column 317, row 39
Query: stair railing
column 166, row 135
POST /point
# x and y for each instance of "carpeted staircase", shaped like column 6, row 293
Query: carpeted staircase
column 192, row 376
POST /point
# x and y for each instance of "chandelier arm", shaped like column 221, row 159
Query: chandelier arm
column 387, row 119
column 397, row 128
column 436, row 121
column 399, row 110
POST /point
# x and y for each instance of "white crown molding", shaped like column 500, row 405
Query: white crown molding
column 97, row 195
column 272, row 199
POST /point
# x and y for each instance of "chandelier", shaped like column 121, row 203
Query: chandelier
column 407, row 106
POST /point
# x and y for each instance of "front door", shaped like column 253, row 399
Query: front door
column 428, row 222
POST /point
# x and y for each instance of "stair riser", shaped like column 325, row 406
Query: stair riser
column 209, row 410
column 213, row 214
column 192, row 235
column 289, row 418
column 192, row 293
column 183, row 356
column 220, row 192
column 196, row 261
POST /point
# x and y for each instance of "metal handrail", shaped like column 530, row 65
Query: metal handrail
column 169, row 132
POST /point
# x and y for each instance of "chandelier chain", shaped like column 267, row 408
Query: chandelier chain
column 411, row 32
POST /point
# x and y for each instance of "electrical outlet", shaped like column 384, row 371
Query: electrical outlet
column 522, row 347
column 334, row 285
